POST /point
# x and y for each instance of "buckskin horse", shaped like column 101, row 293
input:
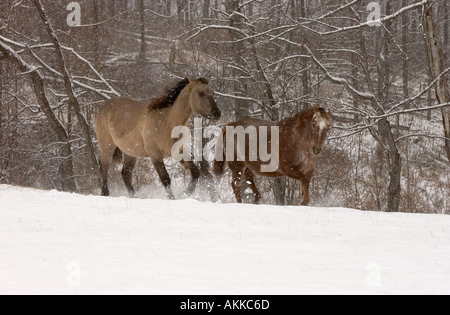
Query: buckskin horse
column 301, row 138
column 128, row 129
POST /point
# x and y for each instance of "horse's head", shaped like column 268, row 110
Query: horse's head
column 202, row 99
column 320, row 125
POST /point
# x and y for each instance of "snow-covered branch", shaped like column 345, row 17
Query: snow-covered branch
column 66, row 169
column 68, row 83
column 106, row 94
column 413, row 6
column 365, row 95
column 410, row 111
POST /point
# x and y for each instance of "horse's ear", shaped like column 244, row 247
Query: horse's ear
column 208, row 79
column 191, row 79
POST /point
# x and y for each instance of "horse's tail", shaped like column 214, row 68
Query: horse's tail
column 117, row 156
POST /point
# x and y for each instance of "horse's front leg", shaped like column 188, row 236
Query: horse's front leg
column 164, row 176
column 306, row 182
column 306, row 197
column 195, row 175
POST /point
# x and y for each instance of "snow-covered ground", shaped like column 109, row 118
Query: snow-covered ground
column 52, row 242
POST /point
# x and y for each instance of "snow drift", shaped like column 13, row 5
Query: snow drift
column 52, row 242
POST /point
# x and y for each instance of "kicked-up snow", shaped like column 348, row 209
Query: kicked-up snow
column 59, row 243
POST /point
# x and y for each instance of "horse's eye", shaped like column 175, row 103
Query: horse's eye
column 201, row 93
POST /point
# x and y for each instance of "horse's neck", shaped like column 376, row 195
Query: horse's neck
column 290, row 127
column 181, row 111
column 287, row 125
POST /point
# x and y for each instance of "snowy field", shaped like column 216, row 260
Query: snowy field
column 57, row 243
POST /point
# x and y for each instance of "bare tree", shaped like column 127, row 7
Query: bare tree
column 142, row 53
column 66, row 164
column 69, row 87
column 305, row 61
column 269, row 59
column 435, row 52
column 206, row 9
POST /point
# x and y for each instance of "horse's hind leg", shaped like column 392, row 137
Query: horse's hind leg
column 237, row 170
column 107, row 148
column 195, row 173
column 104, row 171
column 105, row 161
column 250, row 176
column 164, row 176
column 127, row 173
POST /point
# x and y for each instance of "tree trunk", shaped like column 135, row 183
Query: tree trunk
column 96, row 41
column 65, row 168
column 305, row 61
column 355, row 83
column 111, row 6
column 405, row 47
column 180, row 10
column 142, row 52
column 238, row 53
column 168, row 7
column 294, row 12
column 206, row 5
column 384, row 126
column 446, row 35
column 69, row 88
column 405, row 59
column 385, row 59
column 385, row 132
column 429, row 98
column 395, row 165
column 436, row 61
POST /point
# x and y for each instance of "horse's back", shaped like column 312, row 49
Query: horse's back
column 246, row 122
column 120, row 115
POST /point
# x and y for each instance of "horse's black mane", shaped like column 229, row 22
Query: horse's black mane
column 170, row 94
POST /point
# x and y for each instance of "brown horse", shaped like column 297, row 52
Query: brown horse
column 300, row 142
column 140, row 130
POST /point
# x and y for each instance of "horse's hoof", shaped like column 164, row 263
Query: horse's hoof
column 188, row 193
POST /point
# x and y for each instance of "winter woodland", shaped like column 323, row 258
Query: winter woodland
column 380, row 66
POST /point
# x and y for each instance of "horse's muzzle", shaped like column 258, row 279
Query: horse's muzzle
column 317, row 150
column 216, row 115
